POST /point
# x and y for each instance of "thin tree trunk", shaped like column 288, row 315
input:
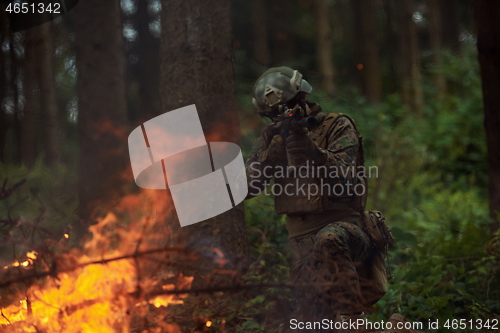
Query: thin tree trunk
column 64, row 39
column 371, row 60
column 48, row 94
column 324, row 45
column 261, row 39
column 147, row 75
column 404, row 20
column 409, row 56
column 28, row 152
column 450, row 24
column 100, row 62
column 283, row 34
column 340, row 20
column 3, row 88
column 487, row 16
column 197, row 68
column 357, row 41
column 391, row 46
column 14, row 64
column 436, row 46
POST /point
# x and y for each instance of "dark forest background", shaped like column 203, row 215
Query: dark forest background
column 421, row 78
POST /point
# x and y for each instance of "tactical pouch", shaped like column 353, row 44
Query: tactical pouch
column 374, row 271
column 373, row 278
column 374, row 223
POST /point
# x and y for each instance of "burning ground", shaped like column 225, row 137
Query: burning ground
column 123, row 271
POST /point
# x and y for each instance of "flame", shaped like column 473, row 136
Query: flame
column 97, row 287
column 30, row 257
column 100, row 286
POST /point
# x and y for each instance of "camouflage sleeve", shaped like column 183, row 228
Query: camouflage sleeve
column 342, row 150
column 258, row 172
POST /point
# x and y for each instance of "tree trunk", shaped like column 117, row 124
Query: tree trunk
column 67, row 128
column 261, row 39
column 372, row 79
column 450, row 24
column 14, row 78
column 102, row 112
column 147, row 67
column 28, row 148
column 409, row 56
column 487, row 16
column 48, row 94
column 324, row 45
column 436, row 46
column 3, row 87
column 341, row 21
column 283, row 37
column 197, row 68
column 391, row 46
column 357, row 42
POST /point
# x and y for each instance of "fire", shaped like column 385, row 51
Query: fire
column 92, row 299
column 30, row 256
column 96, row 288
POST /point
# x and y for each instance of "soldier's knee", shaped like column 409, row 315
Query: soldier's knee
column 328, row 241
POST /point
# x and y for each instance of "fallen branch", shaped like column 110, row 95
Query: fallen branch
column 5, row 193
column 54, row 271
column 237, row 287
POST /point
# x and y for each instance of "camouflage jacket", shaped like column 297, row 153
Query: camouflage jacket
column 339, row 149
column 339, row 152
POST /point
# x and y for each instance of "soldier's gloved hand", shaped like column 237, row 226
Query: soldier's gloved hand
column 300, row 148
column 269, row 133
column 275, row 153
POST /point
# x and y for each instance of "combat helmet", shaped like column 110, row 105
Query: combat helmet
column 276, row 86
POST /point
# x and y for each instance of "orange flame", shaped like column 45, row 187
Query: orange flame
column 94, row 289
column 29, row 261
column 97, row 287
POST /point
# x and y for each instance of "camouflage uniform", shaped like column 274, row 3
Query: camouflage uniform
column 326, row 242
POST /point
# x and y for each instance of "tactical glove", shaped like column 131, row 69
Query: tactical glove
column 269, row 133
column 275, row 153
column 300, row 148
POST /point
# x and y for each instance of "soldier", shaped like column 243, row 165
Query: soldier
column 310, row 166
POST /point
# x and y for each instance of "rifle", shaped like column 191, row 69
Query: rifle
column 291, row 119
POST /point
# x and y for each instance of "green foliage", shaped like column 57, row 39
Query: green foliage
column 267, row 230
column 268, row 240
column 43, row 207
column 443, row 272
